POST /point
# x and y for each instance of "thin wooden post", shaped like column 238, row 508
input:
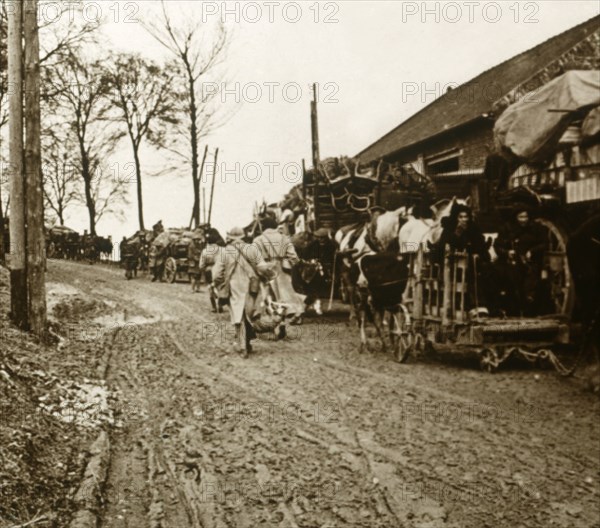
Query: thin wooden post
column 34, row 213
column 200, row 177
column 212, row 186
column 17, row 256
column 447, row 297
column 204, row 205
column 417, row 272
column 303, row 179
column 379, row 182
column 314, row 125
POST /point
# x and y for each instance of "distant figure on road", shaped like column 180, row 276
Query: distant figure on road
column 157, row 261
column 128, row 258
column 194, row 252
column 208, row 257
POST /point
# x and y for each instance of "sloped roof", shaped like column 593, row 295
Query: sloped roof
column 476, row 97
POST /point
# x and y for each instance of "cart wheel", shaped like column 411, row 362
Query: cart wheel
column 401, row 338
column 557, row 267
column 488, row 360
column 170, row 270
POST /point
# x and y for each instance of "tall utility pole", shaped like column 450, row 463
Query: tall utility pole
column 212, row 186
column 27, row 248
column 34, row 212
column 16, row 261
column 314, row 127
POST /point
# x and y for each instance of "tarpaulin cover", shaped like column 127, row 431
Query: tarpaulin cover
column 173, row 236
column 135, row 239
column 591, row 124
column 58, row 229
column 530, row 130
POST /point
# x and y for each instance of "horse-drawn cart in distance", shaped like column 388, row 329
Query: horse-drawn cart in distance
column 172, row 245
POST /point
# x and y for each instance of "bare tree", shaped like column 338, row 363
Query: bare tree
column 62, row 31
column 198, row 48
column 78, row 92
column 142, row 94
column 60, row 174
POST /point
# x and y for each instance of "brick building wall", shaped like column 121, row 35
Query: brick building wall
column 473, row 142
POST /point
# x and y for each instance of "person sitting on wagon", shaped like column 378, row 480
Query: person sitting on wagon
column 520, row 247
column 461, row 234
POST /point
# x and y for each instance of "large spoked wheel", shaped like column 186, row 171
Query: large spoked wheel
column 402, row 338
column 556, row 265
column 170, row 270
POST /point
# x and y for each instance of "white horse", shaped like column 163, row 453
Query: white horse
column 376, row 235
column 424, row 232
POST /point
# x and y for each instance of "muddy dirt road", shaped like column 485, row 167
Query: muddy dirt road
column 309, row 433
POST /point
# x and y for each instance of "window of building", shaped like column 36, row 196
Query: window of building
column 443, row 162
column 449, row 165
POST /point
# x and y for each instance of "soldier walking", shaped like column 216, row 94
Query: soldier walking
column 277, row 248
column 239, row 271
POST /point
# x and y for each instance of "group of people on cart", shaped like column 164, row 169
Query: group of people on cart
column 512, row 284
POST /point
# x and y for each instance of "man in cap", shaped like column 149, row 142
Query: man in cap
column 520, row 247
column 277, row 248
column 238, row 271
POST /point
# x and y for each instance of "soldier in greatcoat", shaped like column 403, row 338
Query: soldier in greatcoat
column 277, row 247
column 240, row 268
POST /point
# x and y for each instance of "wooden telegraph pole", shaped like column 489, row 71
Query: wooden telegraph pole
column 34, row 212
column 314, row 126
column 212, row 186
column 27, row 251
column 16, row 260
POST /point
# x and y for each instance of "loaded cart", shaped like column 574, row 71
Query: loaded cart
column 549, row 159
column 176, row 262
column 171, row 246
column 439, row 312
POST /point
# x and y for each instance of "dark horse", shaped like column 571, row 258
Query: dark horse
column 583, row 252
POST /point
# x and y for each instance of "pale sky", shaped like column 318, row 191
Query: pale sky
column 364, row 59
